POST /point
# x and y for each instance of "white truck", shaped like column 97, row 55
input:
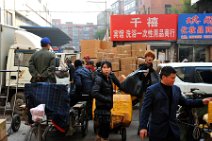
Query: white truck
column 16, row 48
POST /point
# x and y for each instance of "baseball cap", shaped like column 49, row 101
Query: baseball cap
column 45, row 41
column 86, row 57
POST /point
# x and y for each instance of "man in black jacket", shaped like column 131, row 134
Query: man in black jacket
column 160, row 106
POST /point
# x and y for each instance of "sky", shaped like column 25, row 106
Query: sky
column 77, row 11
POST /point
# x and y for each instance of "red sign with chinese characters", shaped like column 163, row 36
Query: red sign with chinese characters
column 143, row 27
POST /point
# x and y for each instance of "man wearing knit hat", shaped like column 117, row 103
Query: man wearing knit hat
column 41, row 63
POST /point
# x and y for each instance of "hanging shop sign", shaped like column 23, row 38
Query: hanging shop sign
column 195, row 26
column 143, row 27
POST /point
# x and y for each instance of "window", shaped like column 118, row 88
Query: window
column 186, row 74
column 9, row 18
column 148, row 10
column 168, row 9
column 0, row 14
column 24, row 56
column 203, row 75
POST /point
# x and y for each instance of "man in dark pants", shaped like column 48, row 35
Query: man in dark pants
column 160, row 105
column 146, row 78
column 41, row 66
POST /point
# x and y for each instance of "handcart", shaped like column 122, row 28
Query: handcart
column 60, row 116
column 16, row 120
column 56, row 100
column 121, row 114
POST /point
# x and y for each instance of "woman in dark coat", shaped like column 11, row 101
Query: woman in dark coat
column 102, row 91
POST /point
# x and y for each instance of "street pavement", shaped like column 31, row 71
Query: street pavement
column 131, row 133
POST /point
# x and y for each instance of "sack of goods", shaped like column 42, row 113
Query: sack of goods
column 122, row 110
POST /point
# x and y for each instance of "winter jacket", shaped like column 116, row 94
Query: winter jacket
column 41, row 66
column 83, row 80
column 102, row 91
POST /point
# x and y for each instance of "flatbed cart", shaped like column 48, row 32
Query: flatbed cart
column 121, row 115
column 16, row 120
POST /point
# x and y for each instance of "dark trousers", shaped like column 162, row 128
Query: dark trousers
column 170, row 137
column 103, row 117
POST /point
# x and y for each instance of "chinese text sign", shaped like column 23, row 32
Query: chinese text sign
column 195, row 26
column 143, row 27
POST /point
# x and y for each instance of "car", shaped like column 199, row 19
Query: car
column 193, row 75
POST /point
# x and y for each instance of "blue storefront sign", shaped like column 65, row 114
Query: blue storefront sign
column 195, row 26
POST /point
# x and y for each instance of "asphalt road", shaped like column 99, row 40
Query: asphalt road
column 131, row 133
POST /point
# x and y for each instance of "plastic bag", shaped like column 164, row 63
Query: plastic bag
column 38, row 113
column 133, row 84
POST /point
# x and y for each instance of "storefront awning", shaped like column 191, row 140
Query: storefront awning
column 57, row 36
column 194, row 42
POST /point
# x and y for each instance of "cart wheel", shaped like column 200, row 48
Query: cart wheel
column 16, row 122
column 123, row 134
column 32, row 134
column 95, row 126
column 84, row 124
column 20, row 100
column 46, row 131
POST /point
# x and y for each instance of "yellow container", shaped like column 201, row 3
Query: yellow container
column 210, row 112
column 121, row 111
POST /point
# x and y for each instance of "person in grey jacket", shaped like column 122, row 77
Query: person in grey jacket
column 41, row 63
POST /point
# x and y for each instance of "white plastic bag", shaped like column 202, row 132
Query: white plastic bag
column 38, row 113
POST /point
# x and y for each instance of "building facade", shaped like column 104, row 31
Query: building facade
column 103, row 22
column 76, row 32
column 21, row 13
column 117, row 7
column 130, row 7
column 158, row 6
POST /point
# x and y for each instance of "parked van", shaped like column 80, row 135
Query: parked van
column 193, row 75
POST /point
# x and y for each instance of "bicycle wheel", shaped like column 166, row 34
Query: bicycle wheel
column 32, row 134
column 16, row 122
column 123, row 134
column 84, row 122
column 46, row 131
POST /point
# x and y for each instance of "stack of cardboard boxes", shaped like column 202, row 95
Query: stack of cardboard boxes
column 3, row 135
column 125, row 58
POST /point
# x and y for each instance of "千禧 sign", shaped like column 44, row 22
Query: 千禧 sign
column 143, row 27
column 195, row 26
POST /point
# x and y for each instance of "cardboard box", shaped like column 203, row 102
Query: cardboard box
column 106, row 44
column 109, row 55
column 122, row 55
column 128, row 63
column 126, row 49
column 125, row 72
column 138, row 53
column 4, row 139
column 90, row 48
column 100, row 55
column 139, row 46
column 138, row 50
column 2, row 129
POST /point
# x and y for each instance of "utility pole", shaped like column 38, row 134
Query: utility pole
column 106, row 16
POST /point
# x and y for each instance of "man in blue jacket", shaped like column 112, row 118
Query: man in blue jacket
column 160, row 105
